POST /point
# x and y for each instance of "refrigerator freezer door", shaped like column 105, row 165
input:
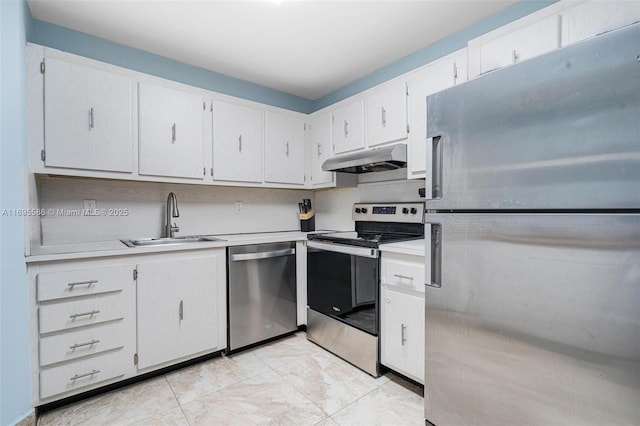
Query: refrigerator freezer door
column 537, row 320
column 561, row 131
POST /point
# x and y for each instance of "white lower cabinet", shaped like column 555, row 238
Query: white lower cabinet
column 402, row 333
column 180, row 307
column 402, row 314
column 99, row 321
column 83, row 326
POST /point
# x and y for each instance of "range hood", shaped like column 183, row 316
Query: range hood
column 370, row 160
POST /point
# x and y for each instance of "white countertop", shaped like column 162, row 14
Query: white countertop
column 413, row 247
column 118, row 248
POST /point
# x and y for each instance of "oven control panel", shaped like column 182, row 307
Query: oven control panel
column 388, row 212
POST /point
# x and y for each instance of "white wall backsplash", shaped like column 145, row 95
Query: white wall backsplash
column 203, row 209
column 333, row 207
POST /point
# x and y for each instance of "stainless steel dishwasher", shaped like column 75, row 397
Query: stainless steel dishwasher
column 262, row 292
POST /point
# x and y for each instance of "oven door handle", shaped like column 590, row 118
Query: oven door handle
column 345, row 249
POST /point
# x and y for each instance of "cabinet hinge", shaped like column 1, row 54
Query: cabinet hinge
column 135, row 359
column 42, row 67
column 43, row 155
column 135, row 274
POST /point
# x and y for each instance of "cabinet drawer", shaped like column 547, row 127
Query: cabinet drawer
column 404, row 271
column 82, row 373
column 76, row 313
column 57, row 285
column 79, row 343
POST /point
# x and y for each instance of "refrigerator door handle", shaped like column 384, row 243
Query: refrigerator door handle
column 436, row 167
column 436, row 256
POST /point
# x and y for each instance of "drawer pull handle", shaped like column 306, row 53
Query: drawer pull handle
column 403, row 333
column 84, row 314
column 79, row 345
column 403, row 277
column 89, row 283
column 79, row 376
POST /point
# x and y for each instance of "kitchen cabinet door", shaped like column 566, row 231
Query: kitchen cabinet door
column 87, row 118
column 402, row 333
column 347, row 127
column 387, row 114
column 434, row 77
column 238, row 140
column 596, row 17
column 171, row 132
column 284, row 148
column 178, row 307
column 487, row 54
column 320, row 149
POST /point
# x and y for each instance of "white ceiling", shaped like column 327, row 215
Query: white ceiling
column 306, row 48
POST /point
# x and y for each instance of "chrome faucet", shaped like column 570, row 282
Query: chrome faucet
column 172, row 211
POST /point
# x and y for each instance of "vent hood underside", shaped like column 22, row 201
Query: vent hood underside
column 371, row 160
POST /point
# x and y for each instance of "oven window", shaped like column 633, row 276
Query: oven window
column 345, row 287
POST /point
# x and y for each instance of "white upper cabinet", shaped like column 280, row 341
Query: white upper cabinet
column 596, row 17
column 238, row 140
column 347, row 127
column 434, row 77
column 284, row 148
column 387, row 114
column 171, row 132
column 320, row 148
column 87, row 118
column 507, row 46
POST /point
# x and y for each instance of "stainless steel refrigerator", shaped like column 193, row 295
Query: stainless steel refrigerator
column 533, row 265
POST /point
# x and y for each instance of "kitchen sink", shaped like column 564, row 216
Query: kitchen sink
column 145, row 242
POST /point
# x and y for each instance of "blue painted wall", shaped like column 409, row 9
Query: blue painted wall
column 434, row 51
column 117, row 54
column 15, row 378
column 92, row 47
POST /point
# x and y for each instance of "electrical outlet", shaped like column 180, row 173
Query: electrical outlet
column 239, row 206
column 89, row 207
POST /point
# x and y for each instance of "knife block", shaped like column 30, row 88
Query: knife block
column 307, row 222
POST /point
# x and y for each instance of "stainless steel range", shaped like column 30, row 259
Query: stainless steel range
column 343, row 270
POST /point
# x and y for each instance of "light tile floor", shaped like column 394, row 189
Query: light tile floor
column 288, row 382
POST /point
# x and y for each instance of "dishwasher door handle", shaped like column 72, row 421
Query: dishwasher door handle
column 262, row 255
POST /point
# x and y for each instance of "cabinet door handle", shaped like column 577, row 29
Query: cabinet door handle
column 319, row 153
column 346, row 128
column 89, row 283
column 515, row 56
column 91, row 118
column 240, row 143
column 79, row 345
column 287, row 150
column 181, row 310
column 79, row 376
column 173, row 133
column 403, row 277
column 84, row 314
column 403, row 333
column 384, row 116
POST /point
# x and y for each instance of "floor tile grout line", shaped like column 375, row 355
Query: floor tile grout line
column 177, row 400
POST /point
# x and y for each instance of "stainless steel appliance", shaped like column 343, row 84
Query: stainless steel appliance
column 262, row 292
column 533, row 283
column 343, row 270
